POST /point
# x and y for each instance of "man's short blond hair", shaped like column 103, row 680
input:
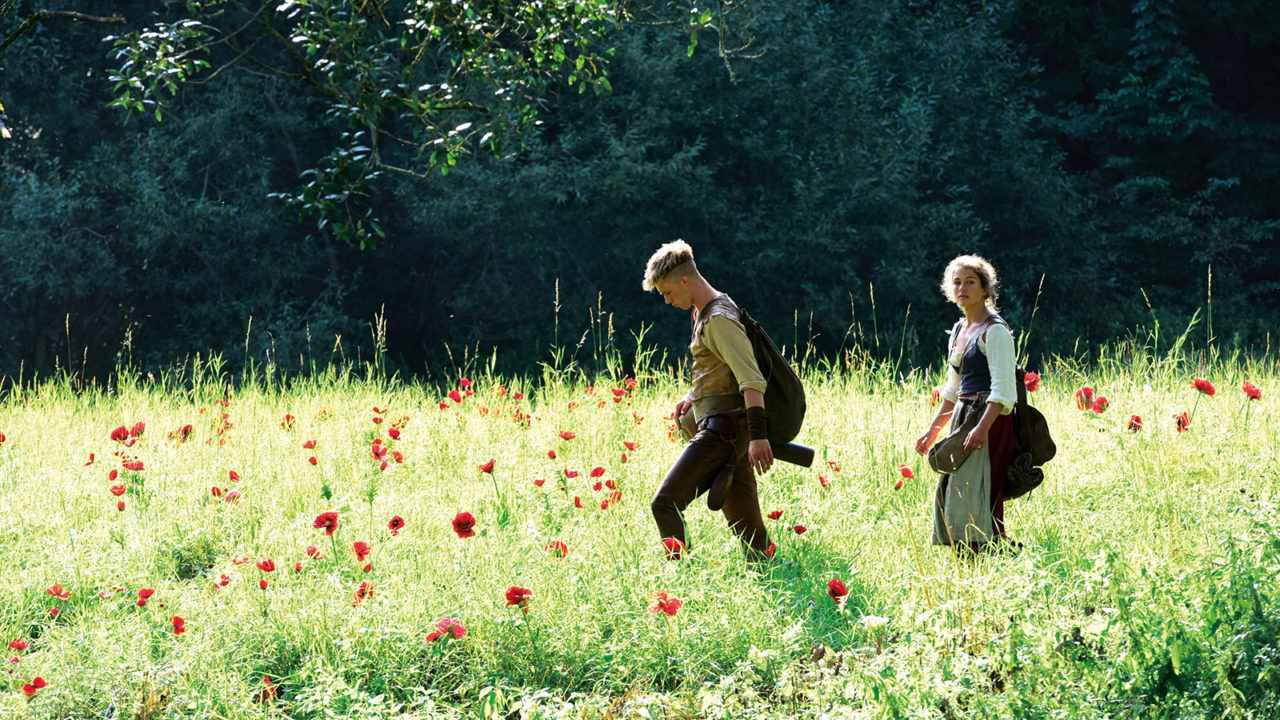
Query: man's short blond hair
column 675, row 256
column 982, row 268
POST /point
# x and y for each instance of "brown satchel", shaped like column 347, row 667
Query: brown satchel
column 948, row 454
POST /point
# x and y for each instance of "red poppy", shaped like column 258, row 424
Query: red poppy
column 312, row 460
column 905, row 472
column 138, row 428
column 597, row 471
column 54, row 612
column 486, row 467
column 464, row 383
column 537, row 482
column 900, row 484
column 823, row 480
column 567, row 435
column 799, row 529
column 87, row 464
column 464, row 524
column 18, row 645
column 146, row 593
column 445, row 628
column 604, row 504
column 775, row 514
column 309, row 445
column 179, row 625
column 1252, row 391
column 397, row 456
column 611, row 484
column 380, row 411
column 286, row 422
column 1204, row 386
column 1135, row 423
column 443, row 405
column 456, row 397
column 134, row 465
column 1182, row 421
column 111, row 476
column 377, row 420
column 551, row 454
column 632, row 446
column 297, row 567
column 120, row 505
column 558, row 548
column 362, row 549
column 615, row 497
column 266, row 565
column 57, row 591
column 268, row 692
column 117, row 490
column 517, row 595
column 215, row 491
column 771, row 550
column 622, row 458
column 120, row 434
column 313, row 552
column 570, row 473
column 362, row 593
column 837, row 590
column 1100, row 404
column 518, row 396
column 1032, row 381
column 663, row 602
column 222, row 581
column 674, row 548
column 577, row 502
column 33, row 687
column 1084, row 398
column 395, row 524
column 394, row 433
column 596, row 487
column 235, row 476
column 328, row 521
column 263, row 584
column 835, row 466
column 233, row 496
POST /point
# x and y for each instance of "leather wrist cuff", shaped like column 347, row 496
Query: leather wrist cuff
column 757, row 423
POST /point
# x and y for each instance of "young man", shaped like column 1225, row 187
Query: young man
column 727, row 402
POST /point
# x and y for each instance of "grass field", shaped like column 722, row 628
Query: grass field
column 1146, row 587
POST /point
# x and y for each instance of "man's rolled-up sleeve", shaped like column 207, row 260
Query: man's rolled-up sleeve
column 728, row 339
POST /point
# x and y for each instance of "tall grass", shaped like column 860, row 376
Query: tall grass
column 1145, row 588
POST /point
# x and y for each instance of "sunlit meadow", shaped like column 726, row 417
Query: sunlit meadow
column 203, row 582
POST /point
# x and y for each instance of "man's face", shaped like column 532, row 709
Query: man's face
column 675, row 291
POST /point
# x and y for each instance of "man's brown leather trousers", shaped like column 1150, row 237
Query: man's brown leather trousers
column 721, row 441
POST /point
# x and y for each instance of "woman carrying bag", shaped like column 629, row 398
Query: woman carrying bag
column 978, row 397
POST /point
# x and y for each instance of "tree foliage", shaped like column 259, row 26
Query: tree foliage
column 506, row 168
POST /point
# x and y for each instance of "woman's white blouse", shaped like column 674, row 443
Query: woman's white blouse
column 997, row 345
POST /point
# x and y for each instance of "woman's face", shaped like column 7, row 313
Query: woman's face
column 966, row 288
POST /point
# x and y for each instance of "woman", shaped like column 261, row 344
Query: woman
column 968, row 509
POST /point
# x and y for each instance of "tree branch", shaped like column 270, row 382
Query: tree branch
column 44, row 15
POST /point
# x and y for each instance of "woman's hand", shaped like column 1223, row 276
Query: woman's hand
column 925, row 441
column 977, row 438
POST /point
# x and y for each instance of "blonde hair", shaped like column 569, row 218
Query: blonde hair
column 671, row 257
column 980, row 267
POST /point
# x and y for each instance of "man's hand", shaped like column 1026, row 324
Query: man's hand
column 760, row 453
column 682, row 407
